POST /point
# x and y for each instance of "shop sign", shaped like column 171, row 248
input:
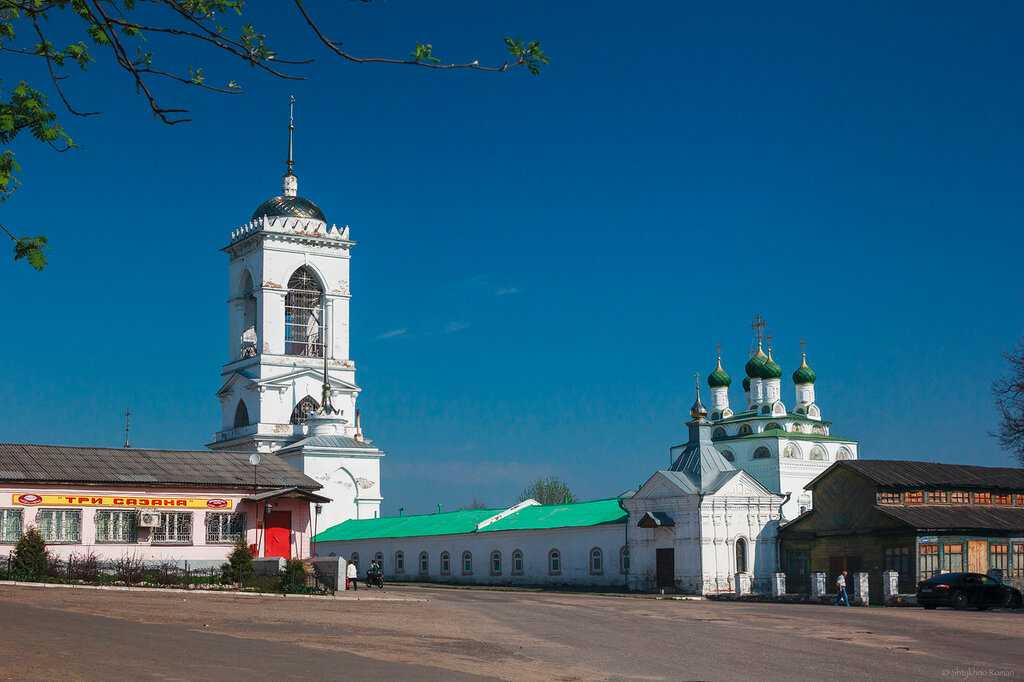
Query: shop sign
column 133, row 501
column 927, row 539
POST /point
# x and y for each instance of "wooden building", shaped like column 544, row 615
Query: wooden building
column 917, row 518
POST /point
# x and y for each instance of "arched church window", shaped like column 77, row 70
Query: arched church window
column 517, row 562
column 241, row 415
column 247, row 303
column 467, row 563
column 596, row 561
column 300, row 415
column 818, row 453
column 399, row 562
column 791, row 451
column 446, row 563
column 554, row 562
column 762, row 453
column 718, row 433
column 774, row 425
column 729, row 457
column 798, row 428
column 303, row 315
column 424, row 563
column 741, row 555
column 624, row 560
column 495, row 562
column 844, row 453
column 745, row 430
column 818, row 429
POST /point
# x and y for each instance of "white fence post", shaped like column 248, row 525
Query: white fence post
column 890, row 585
column 778, row 584
column 818, row 585
column 861, row 590
column 742, row 584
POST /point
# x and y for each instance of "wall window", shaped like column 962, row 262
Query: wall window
column 818, row 454
column 495, row 562
column 446, row 563
column 959, row 497
column 998, row 556
column 241, row 415
column 938, row 496
column 953, row 559
column 774, row 425
column 399, row 562
column 899, row 559
column 379, row 558
column 1000, row 498
column 745, row 430
column 517, row 562
column 741, row 555
column 353, row 558
column 913, row 497
column 791, row 451
column 467, row 563
column 175, row 529
column 1017, row 570
column 303, row 328
column 424, row 563
column 624, row 560
column 928, row 561
column 982, row 498
column 596, row 561
column 554, row 562
column 116, row 526
column 888, row 497
column 819, row 429
column 719, row 432
column 1018, row 500
column 729, row 457
column 762, row 453
column 304, row 408
column 224, row 528
column 844, row 453
column 60, row 525
column 10, row 526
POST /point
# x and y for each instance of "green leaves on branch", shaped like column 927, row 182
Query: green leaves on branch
column 32, row 249
column 424, row 53
column 527, row 54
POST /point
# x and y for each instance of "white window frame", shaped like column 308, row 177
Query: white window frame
column 496, row 554
column 554, row 562
column 160, row 535
column 219, row 527
column 126, row 525
column 64, row 536
column 424, row 563
column 7, row 516
column 624, row 559
column 399, row 561
column 467, row 563
column 597, row 553
column 517, row 562
column 446, row 563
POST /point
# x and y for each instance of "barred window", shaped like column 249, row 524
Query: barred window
column 939, row 496
column 306, row 406
column 998, row 557
column 928, row 556
column 117, row 526
column 1018, row 561
column 913, row 497
column 224, row 528
column 953, row 559
column 959, row 497
column 175, row 529
column 303, row 310
column 982, row 498
column 517, row 562
column 446, row 563
column 10, row 525
column 888, row 498
column 60, row 525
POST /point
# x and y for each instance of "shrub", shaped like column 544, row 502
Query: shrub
column 84, row 566
column 30, row 560
column 129, row 569
column 239, row 568
column 294, row 577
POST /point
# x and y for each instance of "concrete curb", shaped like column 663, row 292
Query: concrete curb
column 341, row 596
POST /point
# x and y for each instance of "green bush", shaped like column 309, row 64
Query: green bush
column 293, row 579
column 239, row 568
column 30, row 560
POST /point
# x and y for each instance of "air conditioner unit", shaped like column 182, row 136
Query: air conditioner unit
column 149, row 520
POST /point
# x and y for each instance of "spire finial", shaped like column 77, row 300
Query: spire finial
column 291, row 183
column 127, row 426
column 803, row 352
column 758, row 326
column 698, row 412
column 718, row 354
column 768, row 339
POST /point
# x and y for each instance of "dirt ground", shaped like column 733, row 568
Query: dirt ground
column 452, row 634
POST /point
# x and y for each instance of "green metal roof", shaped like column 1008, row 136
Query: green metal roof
column 542, row 517
column 449, row 523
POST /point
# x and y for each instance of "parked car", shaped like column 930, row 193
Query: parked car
column 961, row 590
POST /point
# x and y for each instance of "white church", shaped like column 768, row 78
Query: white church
column 289, row 387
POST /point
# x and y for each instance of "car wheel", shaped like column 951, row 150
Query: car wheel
column 959, row 601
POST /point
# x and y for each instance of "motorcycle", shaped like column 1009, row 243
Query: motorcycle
column 375, row 580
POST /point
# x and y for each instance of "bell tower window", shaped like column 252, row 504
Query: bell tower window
column 241, row 415
column 300, row 415
column 248, row 309
column 303, row 315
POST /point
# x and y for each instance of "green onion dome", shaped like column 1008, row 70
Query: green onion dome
column 804, row 374
column 770, row 369
column 746, row 385
column 719, row 378
column 756, row 363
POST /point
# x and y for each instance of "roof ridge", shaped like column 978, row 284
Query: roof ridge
column 131, row 449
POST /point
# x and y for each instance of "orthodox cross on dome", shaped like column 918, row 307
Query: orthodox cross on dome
column 127, row 426
column 758, row 325
column 291, row 183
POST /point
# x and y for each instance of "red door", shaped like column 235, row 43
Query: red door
column 279, row 534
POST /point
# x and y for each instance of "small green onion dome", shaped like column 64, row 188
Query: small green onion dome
column 746, row 384
column 804, row 374
column 754, row 364
column 719, row 378
column 770, row 369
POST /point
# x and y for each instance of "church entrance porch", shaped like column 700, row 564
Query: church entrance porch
column 665, row 568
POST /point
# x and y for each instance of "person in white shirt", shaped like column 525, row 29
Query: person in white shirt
column 351, row 574
column 841, row 596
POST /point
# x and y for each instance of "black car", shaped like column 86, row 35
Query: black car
column 961, row 590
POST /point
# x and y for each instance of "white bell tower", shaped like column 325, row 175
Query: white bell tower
column 288, row 344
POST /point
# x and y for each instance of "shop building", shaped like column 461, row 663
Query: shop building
column 155, row 505
column 916, row 518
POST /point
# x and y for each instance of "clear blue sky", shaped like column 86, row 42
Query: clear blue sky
column 543, row 263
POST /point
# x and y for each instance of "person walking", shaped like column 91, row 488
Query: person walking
column 351, row 573
column 841, row 595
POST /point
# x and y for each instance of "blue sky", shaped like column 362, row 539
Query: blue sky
column 543, row 263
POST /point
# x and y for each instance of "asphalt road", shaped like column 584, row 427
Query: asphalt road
column 455, row 634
